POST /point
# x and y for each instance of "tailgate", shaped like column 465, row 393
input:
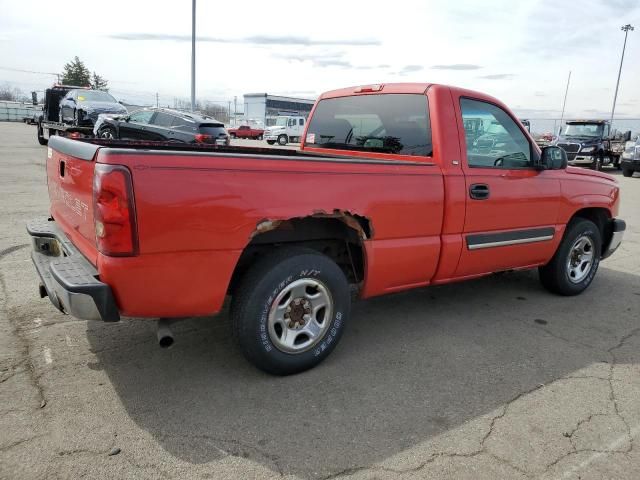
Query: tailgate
column 70, row 166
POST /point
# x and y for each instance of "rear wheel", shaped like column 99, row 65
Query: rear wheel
column 232, row 135
column 575, row 263
column 627, row 172
column 259, row 137
column 282, row 140
column 40, row 134
column 289, row 311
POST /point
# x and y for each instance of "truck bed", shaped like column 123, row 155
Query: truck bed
column 199, row 206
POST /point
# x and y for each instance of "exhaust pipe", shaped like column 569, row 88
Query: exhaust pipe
column 165, row 335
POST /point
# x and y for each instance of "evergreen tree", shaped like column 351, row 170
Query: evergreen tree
column 99, row 83
column 76, row 73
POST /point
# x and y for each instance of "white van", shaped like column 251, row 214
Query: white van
column 287, row 129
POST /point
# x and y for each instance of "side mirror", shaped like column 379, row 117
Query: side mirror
column 553, row 158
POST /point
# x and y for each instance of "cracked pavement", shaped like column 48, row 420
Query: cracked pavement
column 494, row 378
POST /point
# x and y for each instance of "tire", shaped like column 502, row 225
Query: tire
column 259, row 137
column 264, row 336
column 271, row 142
column 40, row 134
column 568, row 273
column 598, row 163
column 233, row 135
column 282, row 140
column 626, row 172
column 107, row 133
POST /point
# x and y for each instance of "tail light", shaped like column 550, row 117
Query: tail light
column 114, row 211
column 202, row 138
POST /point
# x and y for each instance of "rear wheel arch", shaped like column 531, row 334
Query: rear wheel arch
column 340, row 236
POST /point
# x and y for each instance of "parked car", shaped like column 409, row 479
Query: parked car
column 246, row 131
column 287, row 129
column 164, row 125
column 384, row 195
column 82, row 106
column 630, row 162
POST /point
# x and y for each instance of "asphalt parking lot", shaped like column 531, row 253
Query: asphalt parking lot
column 494, row 378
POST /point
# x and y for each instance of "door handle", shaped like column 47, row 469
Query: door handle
column 479, row 191
column 62, row 168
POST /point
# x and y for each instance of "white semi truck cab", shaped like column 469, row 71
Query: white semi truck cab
column 287, row 129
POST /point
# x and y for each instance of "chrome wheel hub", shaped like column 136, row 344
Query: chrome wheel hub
column 300, row 316
column 580, row 259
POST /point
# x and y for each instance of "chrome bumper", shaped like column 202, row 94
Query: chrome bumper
column 618, row 227
column 66, row 277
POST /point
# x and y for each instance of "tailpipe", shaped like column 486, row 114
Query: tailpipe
column 165, row 335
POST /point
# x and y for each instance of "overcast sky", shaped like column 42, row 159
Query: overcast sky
column 520, row 52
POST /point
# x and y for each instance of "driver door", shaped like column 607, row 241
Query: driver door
column 511, row 207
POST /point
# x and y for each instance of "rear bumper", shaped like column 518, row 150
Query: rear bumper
column 68, row 278
column 617, row 232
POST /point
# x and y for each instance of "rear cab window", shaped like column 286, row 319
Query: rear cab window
column 383, row 123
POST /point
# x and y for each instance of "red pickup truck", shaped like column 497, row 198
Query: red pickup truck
column 245, row 131
column 389, row 192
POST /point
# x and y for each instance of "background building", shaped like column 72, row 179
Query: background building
column 262, row 107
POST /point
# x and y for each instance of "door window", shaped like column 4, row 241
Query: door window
column 301, row 122
column 163, row 119
column 493, row 138
column 142, row 116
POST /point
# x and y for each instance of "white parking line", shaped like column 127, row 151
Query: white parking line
column 596, row 456
column 48, row 359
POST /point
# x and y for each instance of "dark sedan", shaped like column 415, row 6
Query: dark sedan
column 82, row 106
column 161, row 124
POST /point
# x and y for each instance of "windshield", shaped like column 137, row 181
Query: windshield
column 495, row 128
column 394, row 123
column 583, row 130
column 281, row 122
column 95, row 96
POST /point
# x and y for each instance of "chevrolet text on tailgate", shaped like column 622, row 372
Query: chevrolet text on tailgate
column 392, row 189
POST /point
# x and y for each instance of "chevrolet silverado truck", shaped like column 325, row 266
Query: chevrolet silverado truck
column 246, row 131
column 386, row 194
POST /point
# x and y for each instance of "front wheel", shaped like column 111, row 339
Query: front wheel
column 598, row 162
column 107, row 133
column 627, row 172
column 282, row 140
column 290, row 310
column 575, row 263
column 40, row 134
column 271, row 142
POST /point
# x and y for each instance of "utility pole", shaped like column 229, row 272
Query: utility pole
column 193, row 55
column 229, row 112
column 157, row 99
column 564, row 103
column 235, row 109
column 625, row 29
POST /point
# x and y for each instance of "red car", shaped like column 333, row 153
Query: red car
column 245, row 131
column 387, row 193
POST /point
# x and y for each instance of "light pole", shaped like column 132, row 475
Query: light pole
column 564, row 103
column 193, row 55
column 625, row 29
